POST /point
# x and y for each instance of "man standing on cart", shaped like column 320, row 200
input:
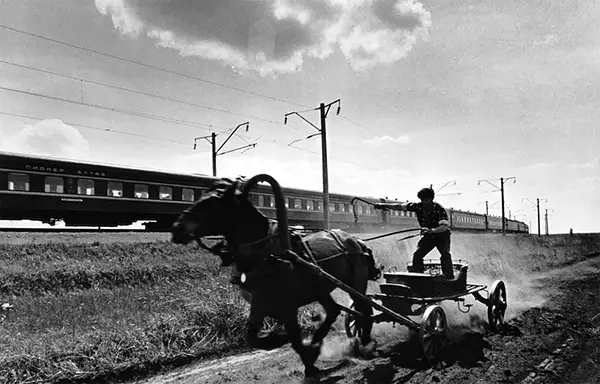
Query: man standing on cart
column 433, row 219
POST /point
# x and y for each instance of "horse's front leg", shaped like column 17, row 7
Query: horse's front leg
column 255, row 323
column 308, row 354
column 332, row 311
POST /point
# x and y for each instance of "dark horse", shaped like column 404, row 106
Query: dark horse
column 278, row 286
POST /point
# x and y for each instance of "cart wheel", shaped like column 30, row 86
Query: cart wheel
column 352, row 328
column 497, row 305
column 432, row 333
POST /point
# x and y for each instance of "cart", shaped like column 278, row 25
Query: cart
column 419, row 294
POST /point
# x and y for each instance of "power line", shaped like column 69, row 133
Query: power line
column 98, row 128
column 136, row 91
column 117, row 110
column 171, row 72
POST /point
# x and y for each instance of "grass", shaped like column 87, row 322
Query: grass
column 92, row 312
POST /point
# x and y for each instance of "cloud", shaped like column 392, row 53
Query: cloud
column 49, row 137
column 380, row 141
column 274, row 36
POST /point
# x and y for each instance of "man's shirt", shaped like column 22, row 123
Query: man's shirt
column 431, row 218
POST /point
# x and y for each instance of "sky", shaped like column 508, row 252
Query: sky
column 454, row 94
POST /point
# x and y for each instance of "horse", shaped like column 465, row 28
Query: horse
column 274, row 284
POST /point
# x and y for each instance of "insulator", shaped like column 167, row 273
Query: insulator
column 285, row 120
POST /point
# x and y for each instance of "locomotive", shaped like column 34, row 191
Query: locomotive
column 90, row 194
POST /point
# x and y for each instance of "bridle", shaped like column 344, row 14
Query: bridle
column 243, row 247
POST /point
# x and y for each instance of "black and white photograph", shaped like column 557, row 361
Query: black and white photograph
column 299, row 191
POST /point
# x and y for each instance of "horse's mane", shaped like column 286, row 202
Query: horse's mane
column 220, row 187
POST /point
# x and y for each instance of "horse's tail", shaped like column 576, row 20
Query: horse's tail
column 374, row 270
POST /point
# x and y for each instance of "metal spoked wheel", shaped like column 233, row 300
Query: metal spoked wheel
column 432, row 333
column 497, row 305
column 353, row 329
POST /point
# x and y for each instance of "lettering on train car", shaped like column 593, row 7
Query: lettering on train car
column 82, row 172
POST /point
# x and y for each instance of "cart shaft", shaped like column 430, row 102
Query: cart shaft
column 359, row 296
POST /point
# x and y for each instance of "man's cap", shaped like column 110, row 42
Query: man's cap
column 426, row 193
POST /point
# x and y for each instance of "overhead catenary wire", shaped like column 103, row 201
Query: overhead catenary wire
column 156, row 68
column 137, row 92
column 98, row 128
column 118, row 110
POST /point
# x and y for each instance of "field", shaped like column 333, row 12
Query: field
column 111, row 306
column 93, row 307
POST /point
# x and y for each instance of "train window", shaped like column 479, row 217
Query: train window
column 187, row 194
column 272, row 201
column 318, row 205
column 165, row 193
column 54, row 184
column 85, row 187
column 261, row 200
column 140, row 191
column 18, row 182
column 297, row 204
column 310, row 205
column 287, row 202
column 359, row 209
column 114, row 189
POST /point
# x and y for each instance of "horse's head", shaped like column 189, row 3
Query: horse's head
column 221, row 211
column 208, row 216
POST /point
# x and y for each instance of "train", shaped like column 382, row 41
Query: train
column 77, row 193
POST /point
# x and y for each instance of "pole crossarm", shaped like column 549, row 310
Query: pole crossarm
column 451, row 194
column 253, row 145
column 453, row 182
column 306, row 138
column 247, row 124
column 200, row 138
column 490, row 183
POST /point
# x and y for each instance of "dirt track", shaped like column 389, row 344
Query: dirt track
column 553, row 335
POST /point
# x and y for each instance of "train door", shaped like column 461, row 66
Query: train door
column 70, row 186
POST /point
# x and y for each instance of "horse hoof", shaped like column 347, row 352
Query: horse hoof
column 366, row 351
column 312, row 372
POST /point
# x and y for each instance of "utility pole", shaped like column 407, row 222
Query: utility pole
column 538, row 211
column 501, row 189
column 213, row 143
column 323, row 111
column 547, row 226
column 537, row 205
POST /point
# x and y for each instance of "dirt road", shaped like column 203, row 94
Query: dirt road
column 554, row 338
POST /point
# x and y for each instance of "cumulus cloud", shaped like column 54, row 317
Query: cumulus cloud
column 49, row 137
column 379, row 141
column 274, row 36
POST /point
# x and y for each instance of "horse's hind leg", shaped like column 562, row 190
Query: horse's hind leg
column 365, row 322
column 332, row 311
column 308, row 354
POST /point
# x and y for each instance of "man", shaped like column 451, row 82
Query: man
column 433, row 220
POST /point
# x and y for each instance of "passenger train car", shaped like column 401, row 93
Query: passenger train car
column 86, row 194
